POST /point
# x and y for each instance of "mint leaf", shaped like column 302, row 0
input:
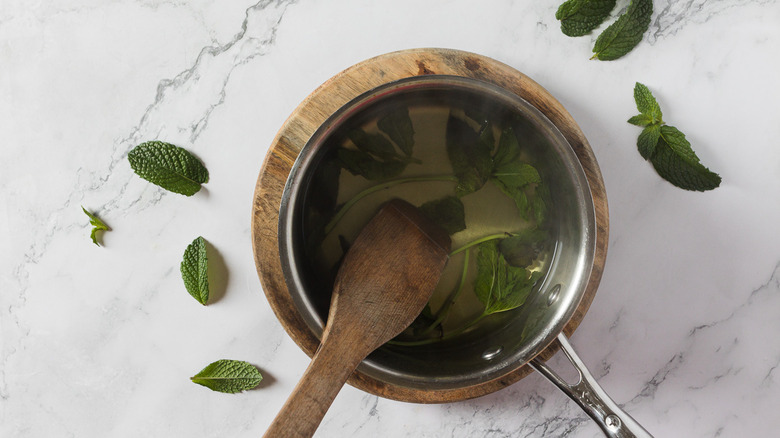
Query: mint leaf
column 646, row 104
column 469, row 154
column 524, row 247
column 507, row 152
column 641, row 120
column 97, row 225
column 168, row 166
column 579, row 17
column 516, row 175
column 539, row 203
column 363, row 164
column 513, row 176
column 230, row 376
column 398, row 126
column 374, row 144
column 499, row 286
column 625, row 33
column 195, row 270
column 675, row 161
column 447, row 212
column 425, row 323
column 648, row 139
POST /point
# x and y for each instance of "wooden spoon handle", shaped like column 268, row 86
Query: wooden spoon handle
column 304, row 409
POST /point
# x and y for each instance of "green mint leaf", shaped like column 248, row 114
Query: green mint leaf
column 508, row 150
column 641, row 120
column 168, row 166
column 513, row 176
column 517, row 175
column 508, row 167
column 646, row 104
column 363, row 164
column 469, row 155
column 539, row 203
column 679, row 145
column 230, row 376
column 448, row 212
column 195, row 270
column 424, row 323
column 625, row 33
column 499, row 286
column 374, row 144
column 675, row 161
column 97, row 225
column 523, row 248
column 579, row 17
column 647, row 140
column 398, row 126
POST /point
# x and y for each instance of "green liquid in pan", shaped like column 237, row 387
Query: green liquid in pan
column 428, row 154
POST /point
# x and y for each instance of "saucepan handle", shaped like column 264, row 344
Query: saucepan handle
column 613, row 420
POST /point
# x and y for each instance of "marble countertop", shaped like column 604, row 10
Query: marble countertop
column 101, row 341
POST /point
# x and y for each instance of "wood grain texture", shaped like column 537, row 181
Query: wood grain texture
column 370, row 306
column 339, row 90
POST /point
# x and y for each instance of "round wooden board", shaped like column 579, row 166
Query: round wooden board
column 339, row 90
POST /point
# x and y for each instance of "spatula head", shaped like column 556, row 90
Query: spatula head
column 387, row 276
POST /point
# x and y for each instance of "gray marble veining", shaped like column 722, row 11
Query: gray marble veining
column 102, row 341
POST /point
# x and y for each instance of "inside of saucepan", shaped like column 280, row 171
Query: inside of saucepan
column 496, row 174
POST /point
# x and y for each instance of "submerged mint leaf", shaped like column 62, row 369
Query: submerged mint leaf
column 512, row 175
column 579, row 17
column 168, row 166
column 398, row 126
column 507, row 152
column 374, row 144
column 447, row 212
column 521, row 249
column 624, row 34
column 229, row 376
column 361, row 163
column 539, row 202
column 194, row 270
column 676, row 162
column 97, row 225
column 469, row 156
column 499, row 286
column 425, row 323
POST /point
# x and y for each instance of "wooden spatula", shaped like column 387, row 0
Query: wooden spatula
column 385, row 280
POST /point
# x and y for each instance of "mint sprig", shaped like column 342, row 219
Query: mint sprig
column 168, row 166
column 625, row 33
column 97, row 225
column 580, row 17
column 229, row 376
column 195, row 270
column 667, row 148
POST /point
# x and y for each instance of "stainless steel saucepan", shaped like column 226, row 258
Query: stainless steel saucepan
column 496, row 353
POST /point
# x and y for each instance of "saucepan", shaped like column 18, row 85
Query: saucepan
column 500, row 349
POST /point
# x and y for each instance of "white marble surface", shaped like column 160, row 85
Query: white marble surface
column 98, row 342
